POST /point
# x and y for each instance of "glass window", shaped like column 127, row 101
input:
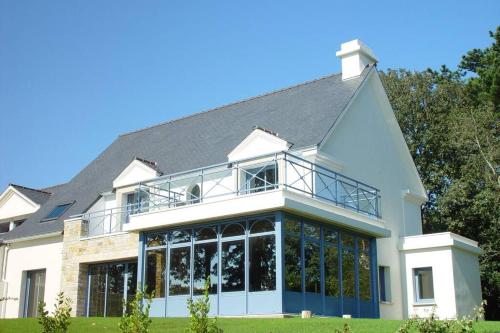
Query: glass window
column 311, row 231
column 364, row 275
column 57, row 211
column 262, row 263
column 205, row 265
column 347, row 241
column 331, row 270
column 293, row 257
column 155, row 272
column 137, row 202
column 206, row 233
column 97, row 290
column 180, row 236
column 330, row 236
column 292, row 225
column 261, row 226
column 312, row 267
column 233, row 266
column 233, row 229
column 180, row 271
column 193, row 195
column 384, row 278
column 424, row 287
column 156, row 240
column 261, row 178
column 116, row 284
column 348, row 281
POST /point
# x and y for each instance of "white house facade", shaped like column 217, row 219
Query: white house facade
column 305, row 198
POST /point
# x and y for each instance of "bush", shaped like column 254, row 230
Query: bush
column 60, row 319
column 432, row 324
column 198, row 310
column 136, row 319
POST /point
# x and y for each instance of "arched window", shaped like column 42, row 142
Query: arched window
column 193, row 194
column 233, row 229
column 260, row 226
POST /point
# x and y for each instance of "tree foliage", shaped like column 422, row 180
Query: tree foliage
column 61, row 317
column 450, row 120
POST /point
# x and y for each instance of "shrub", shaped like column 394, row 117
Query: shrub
column 198, row 310
column 432, row 324
column 136, row 319
column 60, row 319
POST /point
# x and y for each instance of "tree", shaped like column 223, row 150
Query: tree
column 450, row 120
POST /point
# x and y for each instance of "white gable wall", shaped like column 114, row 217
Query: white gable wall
column 135, row 172
column 13, row 204
column 366, row 140
column 258, row 143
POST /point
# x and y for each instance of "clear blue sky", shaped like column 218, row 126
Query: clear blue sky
column 76, row 74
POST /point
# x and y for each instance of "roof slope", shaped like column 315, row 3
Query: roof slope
column 37, row 196
column 300, row 114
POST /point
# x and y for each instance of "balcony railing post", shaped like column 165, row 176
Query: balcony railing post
column 357, row 196
column 202, row 180
column 311, row 169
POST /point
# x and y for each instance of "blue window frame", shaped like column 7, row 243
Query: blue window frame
column 423, row 285
column 384, row 278
column 57, row 211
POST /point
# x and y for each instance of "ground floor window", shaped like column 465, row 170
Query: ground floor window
column 327, row 270
column 384, row 278
column 108, row 285
column 179, row 262
column 34, row 292
column 424, row 286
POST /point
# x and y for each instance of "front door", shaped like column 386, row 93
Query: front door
column 35, row 290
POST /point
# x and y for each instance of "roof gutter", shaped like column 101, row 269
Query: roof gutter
column 24, row 239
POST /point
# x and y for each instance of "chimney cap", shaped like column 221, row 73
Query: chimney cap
column 356, row 46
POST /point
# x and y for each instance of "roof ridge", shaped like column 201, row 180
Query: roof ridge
column 29, row 188
column 231, row 104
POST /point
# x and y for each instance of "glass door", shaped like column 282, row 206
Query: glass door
column 35, row 290
column 108, row 285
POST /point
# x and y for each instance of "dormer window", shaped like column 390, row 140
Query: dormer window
column 137, row 202
column 260, row 179
column 57, row 211
column 193, row 194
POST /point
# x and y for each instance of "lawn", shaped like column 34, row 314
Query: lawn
column 239, row 325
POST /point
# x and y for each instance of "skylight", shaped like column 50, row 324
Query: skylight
column 57, row 211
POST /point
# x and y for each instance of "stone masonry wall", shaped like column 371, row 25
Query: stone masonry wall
column 78, row 253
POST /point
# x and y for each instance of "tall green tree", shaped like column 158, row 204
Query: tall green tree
column 450, row 120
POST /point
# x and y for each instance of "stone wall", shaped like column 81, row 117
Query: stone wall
column 79, row 252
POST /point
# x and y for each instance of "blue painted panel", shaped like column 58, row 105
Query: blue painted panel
column 264, row 302
column 293, row 302
column 157, row 307
column 177, row 306
column 332, row 306
column 366, row 309
column 350, row 306
column 314, row 303
column 232, row 304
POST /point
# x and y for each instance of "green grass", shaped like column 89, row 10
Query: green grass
column 238, row 325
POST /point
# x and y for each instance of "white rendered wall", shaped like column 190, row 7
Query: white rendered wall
column 365, row 141
column 43, row 253
column 440, row 259
column 467, row 281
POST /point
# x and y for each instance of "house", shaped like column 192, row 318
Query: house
column 305, row 198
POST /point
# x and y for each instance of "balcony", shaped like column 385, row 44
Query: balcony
column 238, row 179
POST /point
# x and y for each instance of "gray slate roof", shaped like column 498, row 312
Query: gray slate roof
column 37, row 196
column 301, row 114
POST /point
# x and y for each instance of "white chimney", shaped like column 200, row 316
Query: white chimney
column 355, row 57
